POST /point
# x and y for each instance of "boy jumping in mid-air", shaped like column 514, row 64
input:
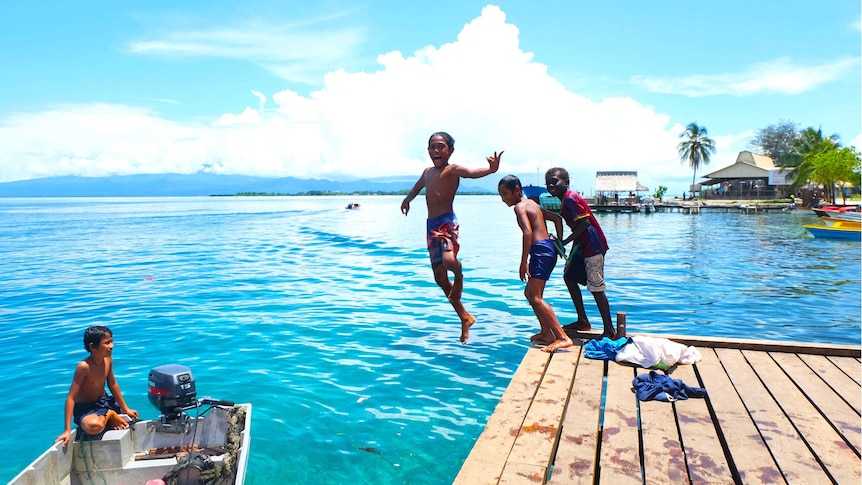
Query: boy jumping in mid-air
column 441, row 182
column 542, row 259
column 87, row 403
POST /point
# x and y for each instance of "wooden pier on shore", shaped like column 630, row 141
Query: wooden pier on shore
column 698, row 207
column 776, row 412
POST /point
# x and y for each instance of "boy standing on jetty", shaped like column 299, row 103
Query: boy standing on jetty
column 586, row 266
column 542, row 259
column 87, row 403
column 440, row 183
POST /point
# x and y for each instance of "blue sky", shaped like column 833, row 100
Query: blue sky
column 353, row 89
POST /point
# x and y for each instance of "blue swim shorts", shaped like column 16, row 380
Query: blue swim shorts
column 442, row 235
column 543, row 258
column 99, row 408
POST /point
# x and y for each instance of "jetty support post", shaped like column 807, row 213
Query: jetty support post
column 621, row 324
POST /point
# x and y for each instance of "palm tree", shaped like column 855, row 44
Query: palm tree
column 809, row 142
column 696, row 148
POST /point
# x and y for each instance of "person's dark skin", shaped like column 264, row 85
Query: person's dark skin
column 557, row 186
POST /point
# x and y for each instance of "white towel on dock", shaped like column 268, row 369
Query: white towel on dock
column 659, row 353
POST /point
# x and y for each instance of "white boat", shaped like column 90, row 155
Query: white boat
column 210, row 447
column 851, row 214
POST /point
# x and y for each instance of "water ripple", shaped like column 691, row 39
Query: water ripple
column 329, row 321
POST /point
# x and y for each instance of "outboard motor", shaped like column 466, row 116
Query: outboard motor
column 172, row 390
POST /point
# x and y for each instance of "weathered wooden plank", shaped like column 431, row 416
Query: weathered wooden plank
column 619, row 461
column 837, row 411
column 521, row 473
column 485, row 463
column 703, row 451
column 664, row 461
column 538, row 436
column 575, row 460
column 850, row 366
column 795, row 461
column 836, row 378
column 749, row 453
column 841, row 462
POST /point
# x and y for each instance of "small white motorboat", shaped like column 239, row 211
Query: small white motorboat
column 210, row 447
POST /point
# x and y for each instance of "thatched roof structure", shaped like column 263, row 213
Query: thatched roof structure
column 618, row 182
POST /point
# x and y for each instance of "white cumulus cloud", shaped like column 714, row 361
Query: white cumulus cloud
column 481, row 87
column 780, row 76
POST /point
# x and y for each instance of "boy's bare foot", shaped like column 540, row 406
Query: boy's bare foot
column 543, row 336
column 115, row 421
column 466, row 322
column 542, row 343
column 558, row 344
column 580, row 326
column 457, row 288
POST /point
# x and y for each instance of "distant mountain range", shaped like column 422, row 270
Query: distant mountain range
column 201, row 184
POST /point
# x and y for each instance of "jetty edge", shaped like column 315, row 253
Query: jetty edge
column 775, row 412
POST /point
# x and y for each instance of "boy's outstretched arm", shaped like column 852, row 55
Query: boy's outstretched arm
column 581, row 225
column 114, row 386
column 474, row 173
column 556, row 219
column 526, row 240
column 405, row 204
column 66, row 435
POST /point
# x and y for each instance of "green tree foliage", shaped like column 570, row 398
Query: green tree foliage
column 833, row 166
column 659, row 192
column 695, row 148
column 776, row 141
column 808, row 143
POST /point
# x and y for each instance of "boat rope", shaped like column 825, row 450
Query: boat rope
column 83, row 456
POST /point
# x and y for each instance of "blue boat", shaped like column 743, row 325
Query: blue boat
column 834, row 232
column 533, row 191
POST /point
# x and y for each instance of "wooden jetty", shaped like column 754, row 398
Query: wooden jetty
column 776, row 412
column 697, row 207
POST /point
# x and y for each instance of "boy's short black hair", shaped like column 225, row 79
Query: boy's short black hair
column 562, row 173
column 446, row 136
column 510, row 182
column 94, row 335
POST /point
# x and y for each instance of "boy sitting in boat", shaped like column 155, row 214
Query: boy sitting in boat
column 92, row 409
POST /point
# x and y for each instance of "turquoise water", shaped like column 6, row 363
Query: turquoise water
column 329, row 323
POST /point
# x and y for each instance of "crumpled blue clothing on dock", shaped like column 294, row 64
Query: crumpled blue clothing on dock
column 662, row 387
column 604, row 349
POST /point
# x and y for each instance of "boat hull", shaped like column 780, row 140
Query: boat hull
column 850, row 214
column 127, row 456
column 833, row 232
column 841, row 223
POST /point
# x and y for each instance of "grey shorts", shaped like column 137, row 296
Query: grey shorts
column 595, row 266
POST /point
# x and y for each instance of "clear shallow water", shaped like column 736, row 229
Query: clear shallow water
column 329, row 323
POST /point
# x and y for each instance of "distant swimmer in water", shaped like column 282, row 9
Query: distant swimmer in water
column 440, row 183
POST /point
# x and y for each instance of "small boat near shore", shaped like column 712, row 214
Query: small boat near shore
column 842, row 223
column 834, row 232
column 845, row 213
column 210, row 447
